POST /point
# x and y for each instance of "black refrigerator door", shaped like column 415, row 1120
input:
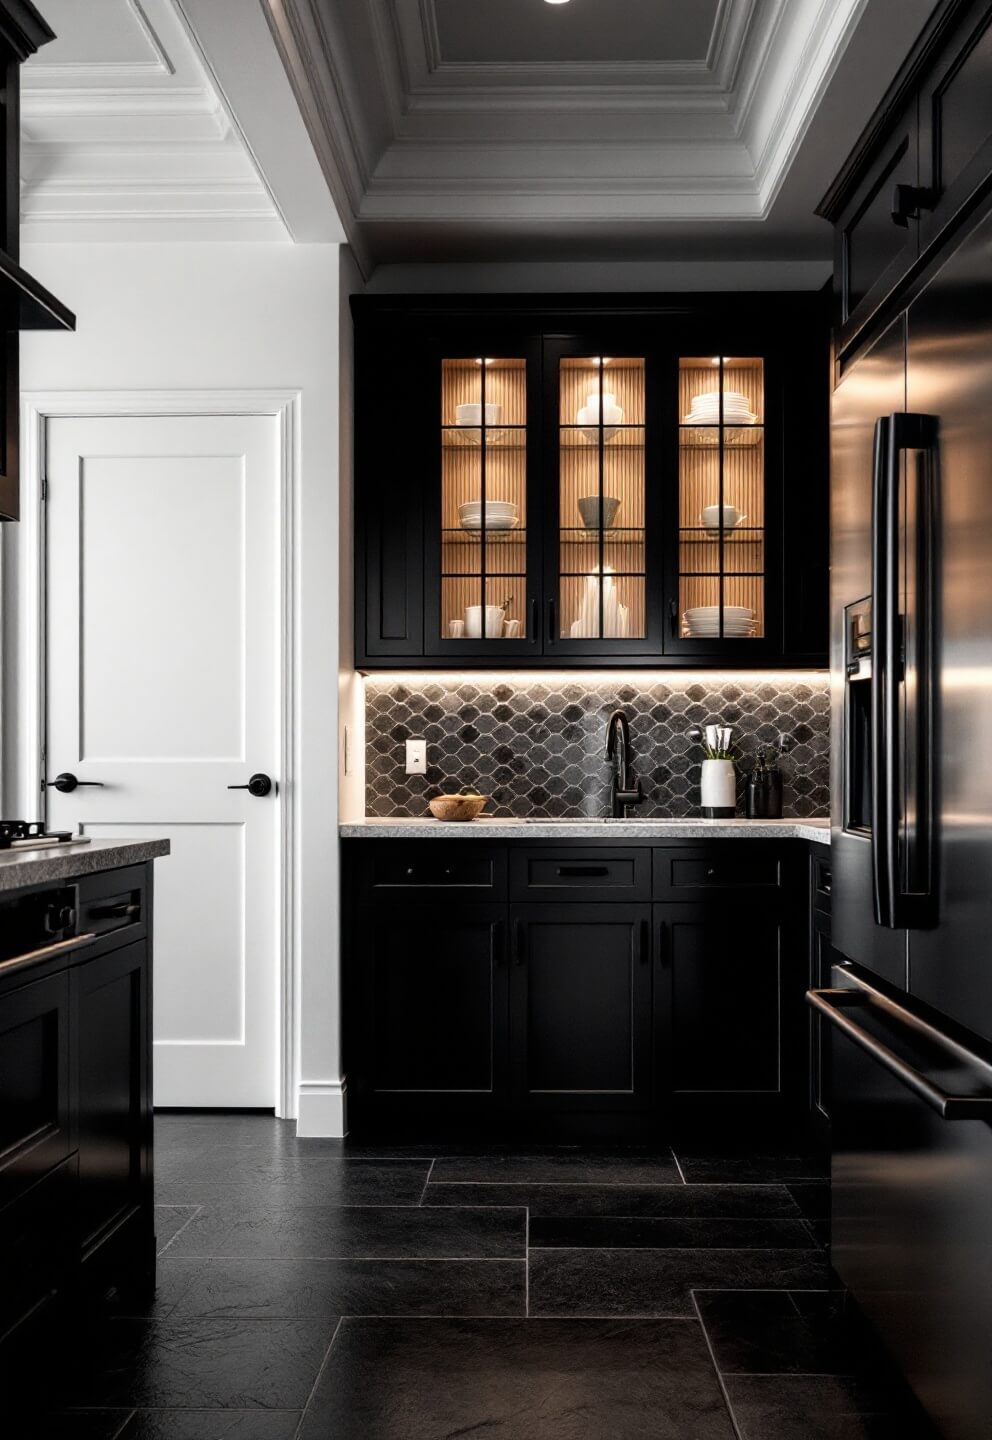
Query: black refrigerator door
column 950, row 377
column 873, row 388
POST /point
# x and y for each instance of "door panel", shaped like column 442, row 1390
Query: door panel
column 719, row 999
column 162, row 686
column 950, row 377
column 581, row 1005
column 875, row 385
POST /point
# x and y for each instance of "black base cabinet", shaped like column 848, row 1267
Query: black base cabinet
column 500, row 987
column 76, row 1206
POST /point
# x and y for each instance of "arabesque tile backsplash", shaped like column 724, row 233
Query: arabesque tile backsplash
column 537, row 746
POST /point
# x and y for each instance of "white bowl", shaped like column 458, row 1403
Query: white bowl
column 710, row 517
column 495, row 614
column 472, row 414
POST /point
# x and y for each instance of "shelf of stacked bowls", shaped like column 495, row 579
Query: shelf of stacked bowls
column 469, row 420
column 703, row 622
column 500, row 515
column 739, row 420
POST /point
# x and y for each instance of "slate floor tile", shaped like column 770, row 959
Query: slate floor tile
column 812, row 1197
column 169, row 1220
column 518, row 1380
column 296, row 1179
column 659, row 1282
column 212, row 1425
column 208, row 1364
column 315, row 1289
column 669, row 1232
column 743, row 1201
column 748, row 1169
column 71, row 1425
column 233, row 1228
column 765, row 1333
column 813, row 1407
column 571, row 1167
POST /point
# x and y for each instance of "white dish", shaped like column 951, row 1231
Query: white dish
column 472, row 414
column 495, row 615
column 493, row 522
column 712, row 612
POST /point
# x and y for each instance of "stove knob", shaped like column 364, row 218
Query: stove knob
column 67, row 917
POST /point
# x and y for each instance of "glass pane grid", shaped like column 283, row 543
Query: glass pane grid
column 721, row 498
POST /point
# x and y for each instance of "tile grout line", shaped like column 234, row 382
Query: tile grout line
column 320, row 1370
column 678, row 1166
column 527, row 1263
column 189, row 1221
column 716, row 1369
column 423, row 1193
column 124, row 1425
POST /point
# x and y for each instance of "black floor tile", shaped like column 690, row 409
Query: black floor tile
column 748, row 1169
column 209, row 1364
column 518, row 1380
column 812, row 1197
column 569, row 1167
column 311, row 1289
column 669, row 1232
column 374, row 1233
column 70, row 1425
column 212, row 1425
column 292, row 1180
column 765, row 1333
column 812, row 1407
column 659, row 1282
column 742, row 1201
column 169, row 1220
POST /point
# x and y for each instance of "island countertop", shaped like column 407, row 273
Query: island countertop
column 374, row 828
column 20, row 868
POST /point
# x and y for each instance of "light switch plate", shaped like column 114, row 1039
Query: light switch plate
column 416, row 757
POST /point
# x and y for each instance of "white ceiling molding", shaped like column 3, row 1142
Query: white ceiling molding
column 407, row 137
column 125, row 137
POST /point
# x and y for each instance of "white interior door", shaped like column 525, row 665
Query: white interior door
column 163, row 620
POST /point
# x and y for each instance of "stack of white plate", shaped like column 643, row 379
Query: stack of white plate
column 500, row 515
column 706, row 409
column 704, row 620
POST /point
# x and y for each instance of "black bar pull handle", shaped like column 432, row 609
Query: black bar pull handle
column 833, row 1005
column 587, row 870
column 533, row 637
column 518, row 942
column 904, row 885
column 552, row 637
column 645, row 941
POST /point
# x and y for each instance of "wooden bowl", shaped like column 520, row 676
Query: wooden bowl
column 457, row 807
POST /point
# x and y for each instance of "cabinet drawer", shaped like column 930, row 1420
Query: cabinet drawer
column 430, row 865
column 35, row 1244
column 35, row 1119
column 113, row 901
column 679, row 874
column 581, row 872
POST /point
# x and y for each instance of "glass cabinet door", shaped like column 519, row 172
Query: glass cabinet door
column 721, row 502
column 483, row 515
column 602, row 526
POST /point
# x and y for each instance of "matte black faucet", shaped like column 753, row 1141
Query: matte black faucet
column 618, row 750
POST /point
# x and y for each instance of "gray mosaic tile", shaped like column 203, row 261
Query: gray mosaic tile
column 538, row 748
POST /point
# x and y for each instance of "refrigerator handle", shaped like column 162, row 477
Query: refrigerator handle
column 884, row 679
column 903, row 900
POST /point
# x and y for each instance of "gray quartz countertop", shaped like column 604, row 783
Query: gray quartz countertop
column 63, row 862
column 483, row 828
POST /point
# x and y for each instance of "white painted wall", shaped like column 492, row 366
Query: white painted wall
column 235, row 316
column 351, row 685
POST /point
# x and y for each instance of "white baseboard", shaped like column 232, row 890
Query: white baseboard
column 322, row 1110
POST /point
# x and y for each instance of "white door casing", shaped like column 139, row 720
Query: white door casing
column 166, row 659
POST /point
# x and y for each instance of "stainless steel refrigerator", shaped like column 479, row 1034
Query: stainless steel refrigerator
column 906, row 1015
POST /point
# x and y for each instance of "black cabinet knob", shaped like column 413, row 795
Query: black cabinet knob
column 258, row 785
column 66, row 782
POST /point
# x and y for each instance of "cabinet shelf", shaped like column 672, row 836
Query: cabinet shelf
column 455, row 535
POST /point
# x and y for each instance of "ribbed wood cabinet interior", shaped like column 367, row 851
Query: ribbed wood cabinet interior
column 648, row 490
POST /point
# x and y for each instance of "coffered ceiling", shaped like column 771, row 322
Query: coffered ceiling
column 460, row 128
column 128, row 130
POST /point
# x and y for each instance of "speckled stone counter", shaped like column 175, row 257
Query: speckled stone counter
column 20, row 868
column 817, row 830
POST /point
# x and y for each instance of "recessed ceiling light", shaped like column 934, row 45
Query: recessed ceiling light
column 556, row 2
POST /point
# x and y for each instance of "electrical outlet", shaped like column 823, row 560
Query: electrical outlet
column 416, row 757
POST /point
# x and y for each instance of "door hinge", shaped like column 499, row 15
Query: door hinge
column 44, row 488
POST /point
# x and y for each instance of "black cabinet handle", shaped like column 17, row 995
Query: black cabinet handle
column 551, row 623
column 115, row 912
column 645, row 942
column 673, row 618
column 533, row 621
column 590, row 870
column 518, row 943
column 258, row 785
column 908, row 201
column 67, row 782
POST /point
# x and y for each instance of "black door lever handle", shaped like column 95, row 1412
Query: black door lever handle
column 258, row 785
column 66, row 782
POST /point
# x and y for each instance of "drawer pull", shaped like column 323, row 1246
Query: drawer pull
column 588, row 870
column 710, row 872
column 120, row 911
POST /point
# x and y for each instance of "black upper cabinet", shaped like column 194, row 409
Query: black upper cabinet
column 606, row 484
column 922, row 163
column 24, row 303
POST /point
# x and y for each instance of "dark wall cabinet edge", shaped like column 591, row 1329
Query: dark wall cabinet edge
column 22, row 28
